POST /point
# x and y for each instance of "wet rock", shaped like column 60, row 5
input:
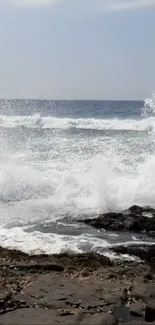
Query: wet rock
column 140, row 251
column 139, row 210
column 132, row 219
column 113, row 221
column 144, row 252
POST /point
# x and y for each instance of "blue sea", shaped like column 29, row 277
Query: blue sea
column 61, row 161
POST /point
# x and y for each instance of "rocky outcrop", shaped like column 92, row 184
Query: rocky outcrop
column 134, row 220
column 141, row 251
column 144, row 252
column 76, row 289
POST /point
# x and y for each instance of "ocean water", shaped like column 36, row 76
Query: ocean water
column 65, row 160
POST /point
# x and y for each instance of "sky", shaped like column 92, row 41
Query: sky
column 77, row 49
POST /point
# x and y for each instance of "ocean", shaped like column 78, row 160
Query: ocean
column 65, row 160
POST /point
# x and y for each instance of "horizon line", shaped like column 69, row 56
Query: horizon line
column 72, row 100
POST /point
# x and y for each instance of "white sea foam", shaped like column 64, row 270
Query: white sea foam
column 40, row 243
column 149, row 106
column 44, row 177
column 48, row 122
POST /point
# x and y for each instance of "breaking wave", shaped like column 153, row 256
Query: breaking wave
column 48, row 122
column 44, row 177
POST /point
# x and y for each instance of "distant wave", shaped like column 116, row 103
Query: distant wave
column 49, row 122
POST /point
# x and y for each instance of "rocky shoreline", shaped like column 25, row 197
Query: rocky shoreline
column 83, row 288
column 74, row 289
column 136, row 219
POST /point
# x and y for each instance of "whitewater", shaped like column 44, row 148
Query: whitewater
column 60, row 161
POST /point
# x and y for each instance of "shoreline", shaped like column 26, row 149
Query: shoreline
column 86, row 288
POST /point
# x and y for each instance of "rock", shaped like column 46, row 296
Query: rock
column 151, row 252
column 108, row 221
column 4, row 296
column 129, row 220
column 150, row 312
column 35, row 316
column 66, row 312
column 39, row 266
column 152, row 262
column 140, row 251
column 141, row 210
column 144, row 252
column 122, row 313
column 136, row 309
column 143, row 291
column 151, row 256
column 148, row 277
column 137, row 322
column 108, row 320
column 137, row 210
column 85, row 260
column 99, row 319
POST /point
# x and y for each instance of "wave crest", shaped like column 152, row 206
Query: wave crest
column 48, row 122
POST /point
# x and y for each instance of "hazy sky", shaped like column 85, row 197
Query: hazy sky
column 77, row 49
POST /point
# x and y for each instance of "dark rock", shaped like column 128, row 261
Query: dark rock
column 137, row 322
column 150, row 312
column 85, row 260
column 113, row 221
column 152, row 262
column 148, row 277
column 10, row 303
column 140, row 251
column 151, row 252
column 122, row 313
column 40, row 266
column 144, row 252
column 129, row 220
column 137, row 210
